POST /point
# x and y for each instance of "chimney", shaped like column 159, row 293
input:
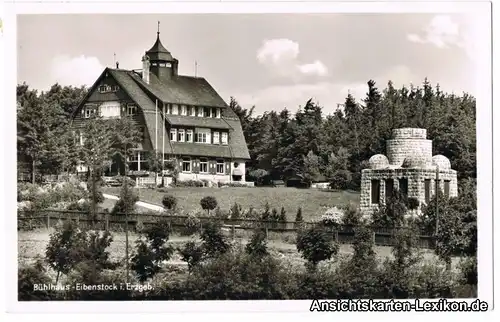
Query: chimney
column 117, row 65
column 145, row 69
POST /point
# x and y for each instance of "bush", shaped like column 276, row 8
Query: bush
column 236, row 211
column 413, row 203
column 126, row 203
column 191, row 253
column 191, row 224
column 298, row 217
column 188, row 183
column 214, row 242
column 208, row 203
column 341, row 179
column 315, row 246
column 257, row 246
column 352, row 216
column 169, row 202
column 29, row 276
column 468, row 271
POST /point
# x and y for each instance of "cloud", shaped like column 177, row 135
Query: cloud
column 76, row 71
column 280, row 56
column 441, row 32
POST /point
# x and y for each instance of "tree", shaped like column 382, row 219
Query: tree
column 315, row 246
column 126, row 204
column 214, row 242
column 191, row 253
column 151, row 251
column 235, row 211
column 173, row 168
column 169, row 202
column 208, row 203
column 311, row 168
column 298, row 217
column 257, row 246
column 259, row 175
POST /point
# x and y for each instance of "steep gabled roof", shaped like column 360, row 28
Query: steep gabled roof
column 138, row 90
column 182, row 90
column 198, row 122
column 159, row 52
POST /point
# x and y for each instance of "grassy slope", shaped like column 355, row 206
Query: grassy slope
column 311, row 200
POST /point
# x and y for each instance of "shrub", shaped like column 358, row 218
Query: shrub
column 315, row 246
column 221, row 214
column 236, row 211
column 191, row 253
column 266, row 213
column 413, row 203
column 29, row 276
column 257, row 246
column 341, row 179
column 352, row 216
column 468, row 271
column 191, row 224
column 169, row 202
column 126, row 203
column 151, row 251
column 298, row 217
column 214, row 242
column 332, row 217
column 188, row 183
column 282, row 215
column 208, row 203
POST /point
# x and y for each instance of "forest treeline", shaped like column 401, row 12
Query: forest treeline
column 308, row 145
column 336, row 147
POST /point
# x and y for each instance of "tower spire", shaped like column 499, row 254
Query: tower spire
column 158, row 32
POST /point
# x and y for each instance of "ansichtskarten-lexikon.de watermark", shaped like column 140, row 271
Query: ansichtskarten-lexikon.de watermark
column 441, row 305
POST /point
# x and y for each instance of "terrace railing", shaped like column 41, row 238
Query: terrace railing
column 29, row 220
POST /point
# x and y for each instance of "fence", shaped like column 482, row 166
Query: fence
column 28, row 220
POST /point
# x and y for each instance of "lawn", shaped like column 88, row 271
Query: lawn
column 312, row 201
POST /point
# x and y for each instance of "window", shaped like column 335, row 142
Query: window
column 142, row 132
column 110, row 110
column 186, row 165
column 220, row 166
column 214, row 112
column 403, row 186
column 180, row 135
column 200, row 111
column 427, row 188
column 175, row 109
column 116, row 88
column 190, row 110
column 169, row 109
column 89, row 111
column 218, row 113
column 173, row 135
column 82, row 138
column 447, row 188
column 203, row 165
column 104, row 89
column 183, row 110
column 189, row 135
column 131, row 109
column 216, row 138
column 201, row 137
column 389, row 187
column 375, row 191
column 206, row 111
column 224, row 138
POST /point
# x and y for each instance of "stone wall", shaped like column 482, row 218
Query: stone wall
column 416, row 184
column 409, row 142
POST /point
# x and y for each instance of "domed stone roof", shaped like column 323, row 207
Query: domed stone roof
column 441, row 161
column 378, row 161
column 414, row 161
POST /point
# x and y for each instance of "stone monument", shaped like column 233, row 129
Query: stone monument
column 409, row 167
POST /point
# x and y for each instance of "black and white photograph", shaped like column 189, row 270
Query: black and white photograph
column 332, row 157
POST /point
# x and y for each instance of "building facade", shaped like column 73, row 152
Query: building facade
column 409, row 167
column 181, row 117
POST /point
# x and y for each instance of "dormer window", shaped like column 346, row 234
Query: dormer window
column 173, row 135
column 206, row 111
column 183, row 110
column 200, row 111
column 224, row 137
column 218, row 113
column 104, row 89
column 131, row 109
column 175, row 109
column 116, row 88
column 169, row 108
column 214, row 112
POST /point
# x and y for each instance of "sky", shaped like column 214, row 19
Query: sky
column 272, row 61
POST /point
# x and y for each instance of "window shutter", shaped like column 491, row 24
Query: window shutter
column 227, row 165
